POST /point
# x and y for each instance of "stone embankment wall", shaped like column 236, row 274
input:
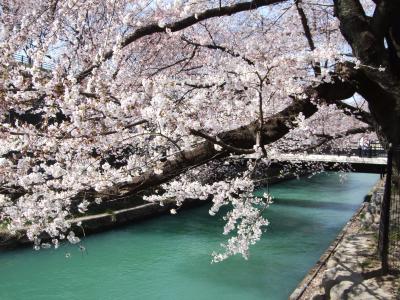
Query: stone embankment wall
column 114, row 213
column 350, row 267
column 99, row 222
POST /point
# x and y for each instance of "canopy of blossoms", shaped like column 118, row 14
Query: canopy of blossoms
column 114, row 97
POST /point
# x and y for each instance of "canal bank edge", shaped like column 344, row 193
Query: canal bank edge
column 349, row 268
column 112, row 217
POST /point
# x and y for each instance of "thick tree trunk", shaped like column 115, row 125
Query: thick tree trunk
column 382, row 92
column 377, row 80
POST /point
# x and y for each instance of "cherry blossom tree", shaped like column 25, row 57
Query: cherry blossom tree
column 112, row 98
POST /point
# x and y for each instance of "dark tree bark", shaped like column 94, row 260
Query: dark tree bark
column 377, row 80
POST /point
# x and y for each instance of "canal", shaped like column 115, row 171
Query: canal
column 169, row 257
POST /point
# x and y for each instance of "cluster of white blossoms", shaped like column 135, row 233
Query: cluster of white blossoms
column 244, row 218
column 128, row 84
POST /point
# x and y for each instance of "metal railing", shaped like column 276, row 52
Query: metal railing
column 375, row 149
column 26, row 60
column 389, row 229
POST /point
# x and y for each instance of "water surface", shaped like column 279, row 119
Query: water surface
column 169, row 257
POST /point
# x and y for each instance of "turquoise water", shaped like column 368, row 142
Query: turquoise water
column 169, row 257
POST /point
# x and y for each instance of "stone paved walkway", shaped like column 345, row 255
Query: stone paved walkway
column 351, row 267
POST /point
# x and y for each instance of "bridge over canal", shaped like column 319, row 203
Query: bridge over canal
column 335, row 162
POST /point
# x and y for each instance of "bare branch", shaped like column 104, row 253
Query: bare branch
column 328, row 138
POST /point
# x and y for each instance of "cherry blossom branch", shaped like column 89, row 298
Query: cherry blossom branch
column 186, row 60
column 328, row 138
column 219, row 142
column 218, row 47
column 104, row 133
column 261, row 113
column 180, row 25
column 244, row 137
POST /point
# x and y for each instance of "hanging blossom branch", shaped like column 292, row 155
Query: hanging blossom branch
column 244, row 221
